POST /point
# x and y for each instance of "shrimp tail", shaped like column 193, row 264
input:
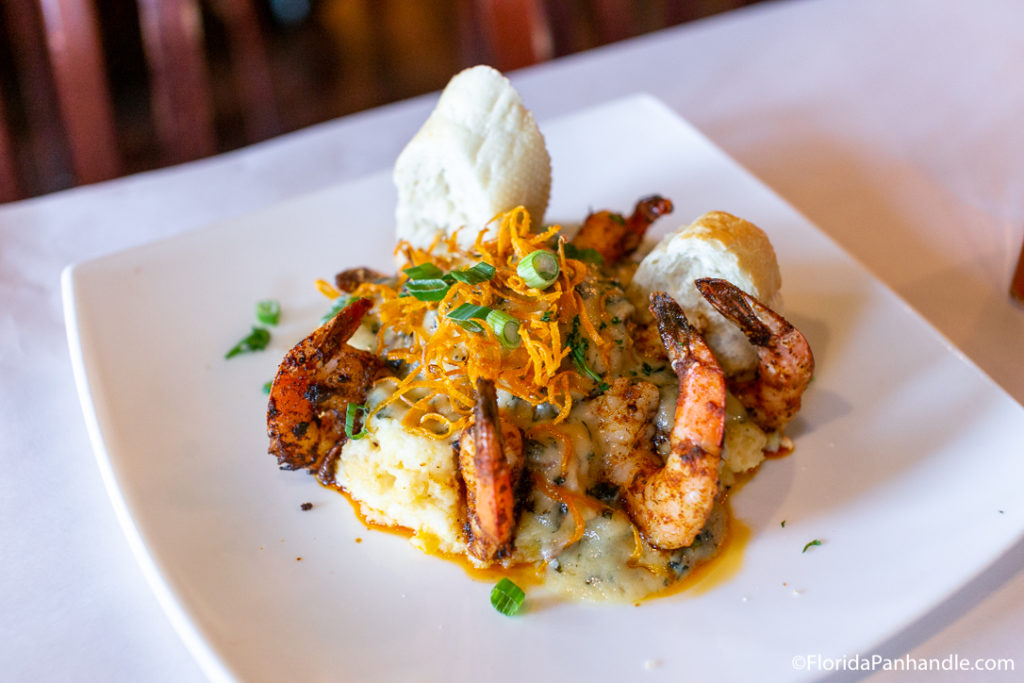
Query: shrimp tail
column 615, row 237
column 785, row 361
column 646, row 211
column 490, row 461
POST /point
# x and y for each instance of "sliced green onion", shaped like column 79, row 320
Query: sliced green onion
column 268, row 311
column 507, row 597
column 427, row 290
column 470, row 325
column 350, row 421
column 810, row 545
column 256, row 341
column 539, row 269
column 587, row 255
column 481, row 272
column 267, row 386
column 463, row 316
column 424, row 271
column 506, row 327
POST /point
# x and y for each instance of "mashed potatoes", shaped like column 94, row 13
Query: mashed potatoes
column 403, row 479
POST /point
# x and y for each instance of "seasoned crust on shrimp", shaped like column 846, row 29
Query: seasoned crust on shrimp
column 490, row 462
column 309, row 399
column 669, row 500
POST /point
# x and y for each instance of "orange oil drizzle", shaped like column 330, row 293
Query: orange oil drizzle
column 524, row 575
column 704, row 577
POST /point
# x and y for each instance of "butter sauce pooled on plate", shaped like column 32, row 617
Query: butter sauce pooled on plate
column 516, row 396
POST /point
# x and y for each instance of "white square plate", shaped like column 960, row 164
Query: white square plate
column 907, row 463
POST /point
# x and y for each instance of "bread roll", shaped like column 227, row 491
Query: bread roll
column 480, row 153
column 718, row 245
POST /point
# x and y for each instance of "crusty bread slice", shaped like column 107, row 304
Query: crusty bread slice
column 480, row 153
column 719, row 245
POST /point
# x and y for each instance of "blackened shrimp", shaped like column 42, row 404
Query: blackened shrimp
column 491, row 462
column 669, row 500
column 615, row 237
column 315, row 384
column 785, row 362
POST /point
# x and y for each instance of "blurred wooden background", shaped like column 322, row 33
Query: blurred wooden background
column 93, row 89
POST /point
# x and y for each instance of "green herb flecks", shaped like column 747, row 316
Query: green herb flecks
column 257, row 340
column 811, row 545
column 578, row 347
column 587, row 254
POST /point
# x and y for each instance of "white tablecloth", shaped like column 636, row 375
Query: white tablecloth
column 894, row 125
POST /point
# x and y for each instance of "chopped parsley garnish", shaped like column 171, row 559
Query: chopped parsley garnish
column 587, row 254
column 507, row 597
column 810, row 545
column 578, row 346
column 257, row 340
column 268, row 312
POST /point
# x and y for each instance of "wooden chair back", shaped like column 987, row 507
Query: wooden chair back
column 68, row 131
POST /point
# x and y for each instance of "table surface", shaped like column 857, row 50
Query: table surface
column 894, row 126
